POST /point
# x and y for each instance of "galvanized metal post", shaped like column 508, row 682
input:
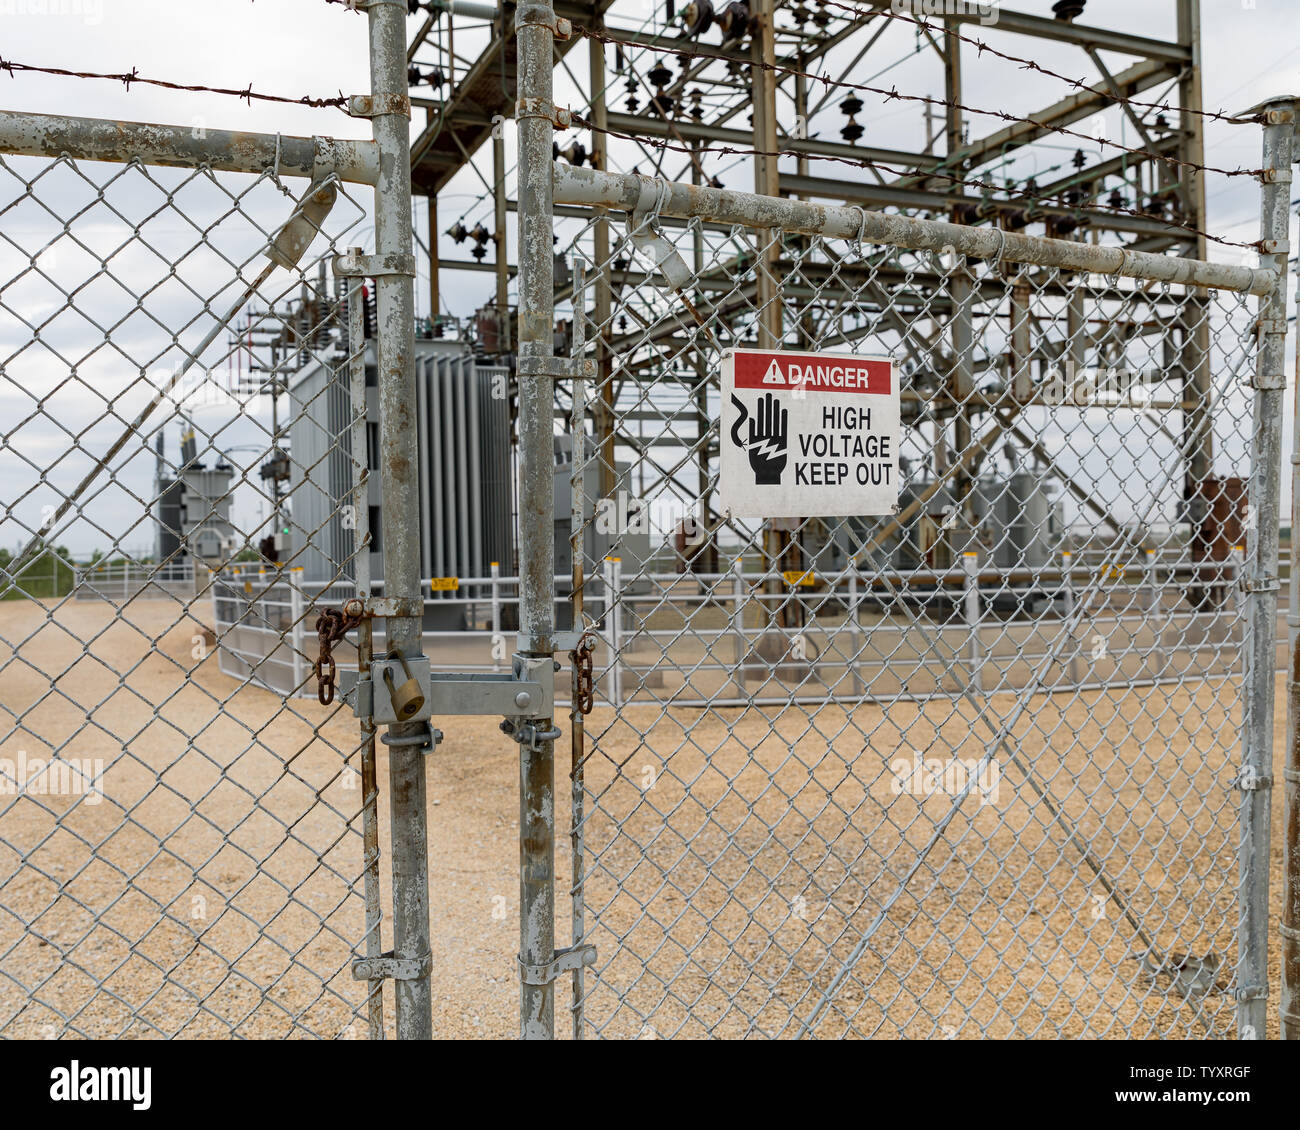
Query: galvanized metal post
column 365, row 647
column 1290, row 924
column 296, row 653
column 855, row 630
column 971, row 604
column 496, row 615
column 1067, row 610
column 1289, row 1004
column 535, row 26
column 1261, row 575
column 395, row 296
column 738, row 598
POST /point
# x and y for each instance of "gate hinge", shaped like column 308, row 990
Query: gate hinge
column 531, row 14
column 1274, row 326
column 559, row 117
column 393, row 968
column 561, row 368
column 1251, row 993
column 1268, row 382
column 377, row 105
column 566, row 961
column 353, row 265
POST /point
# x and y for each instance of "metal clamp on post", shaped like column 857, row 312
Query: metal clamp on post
column 388, row 967
column 1264, row 584
column 1268, row 382
column 1249, row 781
column 565, row 961
column 531, row 14
column 379, row 105
column 385, row 606
column 560, row 368
column 355, row 265
column 559, row 117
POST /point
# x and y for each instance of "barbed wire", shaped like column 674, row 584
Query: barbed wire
column 894, row 94
column 128, row 78
column 1029, row 64
column 1009, row 195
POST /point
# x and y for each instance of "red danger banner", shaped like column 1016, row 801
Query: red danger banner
column 812, row 372
column 808, row 435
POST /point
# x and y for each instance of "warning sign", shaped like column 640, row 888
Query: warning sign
column 808, row 435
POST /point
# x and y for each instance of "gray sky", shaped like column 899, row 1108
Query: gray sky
column 297, row 47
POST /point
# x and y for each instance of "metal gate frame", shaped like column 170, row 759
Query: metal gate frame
column 543, row 184
column 381, row 164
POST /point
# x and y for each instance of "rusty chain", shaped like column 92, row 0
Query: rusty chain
column 584, row 684
column 331, row 626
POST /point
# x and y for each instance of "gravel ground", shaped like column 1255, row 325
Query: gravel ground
column 746, row 868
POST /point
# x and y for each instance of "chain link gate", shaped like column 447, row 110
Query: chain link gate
column 975, row 769
column 189, row 818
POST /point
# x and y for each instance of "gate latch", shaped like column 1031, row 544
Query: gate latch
column 566, row 961
column 386, row 966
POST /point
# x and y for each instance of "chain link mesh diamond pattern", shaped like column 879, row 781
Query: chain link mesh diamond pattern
column 180, row 846
column 970, row 770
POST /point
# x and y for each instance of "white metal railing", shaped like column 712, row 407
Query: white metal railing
column 118, row 580
column 893, row 634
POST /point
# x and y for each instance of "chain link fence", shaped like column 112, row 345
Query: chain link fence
column 983, row 767
column 995, row 764
column 181, row 851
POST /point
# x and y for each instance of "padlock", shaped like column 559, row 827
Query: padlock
column 408, row 699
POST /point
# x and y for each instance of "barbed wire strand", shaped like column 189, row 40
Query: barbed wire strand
column 1029, row 64
column 894, row 94
column 1011, row 198
column 128, row 78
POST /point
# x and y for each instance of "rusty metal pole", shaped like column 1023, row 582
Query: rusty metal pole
column 395, row 294
column 767, row 182
column 535, row 25
column 604, row 297
column 502, row 242
column 1289, row 1005
column 365, row 647
column 1262, row 577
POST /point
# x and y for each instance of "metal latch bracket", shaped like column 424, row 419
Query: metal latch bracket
column 354, row 265
column 388, row 967
column 560, row 368
column 566, row 961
